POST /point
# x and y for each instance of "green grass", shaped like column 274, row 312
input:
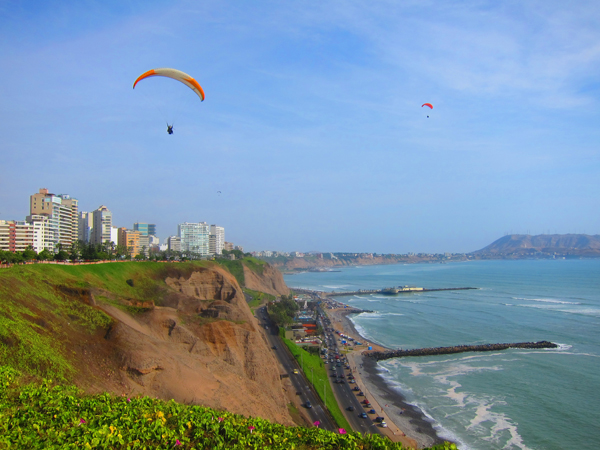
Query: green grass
column 321, row 380
column 33, row 311
column 258, row 298
column 235, row 268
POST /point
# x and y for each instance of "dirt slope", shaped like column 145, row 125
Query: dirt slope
column 270, row 281
column 202, row 346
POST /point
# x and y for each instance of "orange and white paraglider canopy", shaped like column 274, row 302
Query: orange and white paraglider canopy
column 176, row 75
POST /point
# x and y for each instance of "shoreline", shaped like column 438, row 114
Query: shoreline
column 406, row 422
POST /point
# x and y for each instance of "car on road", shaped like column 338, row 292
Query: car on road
column 308, row 404
column 362, row 415
column 274, row 347
column 350, row 408
column 296, row 371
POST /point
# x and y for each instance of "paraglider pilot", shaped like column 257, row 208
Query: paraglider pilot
column 169, row 129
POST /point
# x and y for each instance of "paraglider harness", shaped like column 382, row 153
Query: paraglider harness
column 169, row 129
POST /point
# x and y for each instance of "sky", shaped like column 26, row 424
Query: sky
column 312, row 136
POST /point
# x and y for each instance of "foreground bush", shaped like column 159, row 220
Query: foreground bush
column 39, row 415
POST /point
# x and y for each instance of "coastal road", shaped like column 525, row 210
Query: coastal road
column 346, row 396
column 300, row 383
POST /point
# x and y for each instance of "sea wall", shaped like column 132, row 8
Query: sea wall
column 457, row 349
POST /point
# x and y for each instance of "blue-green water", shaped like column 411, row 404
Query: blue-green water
column 514, row 399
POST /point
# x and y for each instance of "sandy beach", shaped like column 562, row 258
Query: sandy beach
column 406, row 423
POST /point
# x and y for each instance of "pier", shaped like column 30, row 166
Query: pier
column 392, row 291
column 457, row 349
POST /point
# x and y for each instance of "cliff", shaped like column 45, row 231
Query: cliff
column 269, row 281
column 175, row 332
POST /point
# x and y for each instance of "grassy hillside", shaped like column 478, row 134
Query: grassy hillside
column 45, row 308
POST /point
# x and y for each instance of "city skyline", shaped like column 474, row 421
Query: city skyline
column 312, row 135
column 54, row 222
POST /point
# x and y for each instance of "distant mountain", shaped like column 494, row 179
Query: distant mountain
column 560, row 244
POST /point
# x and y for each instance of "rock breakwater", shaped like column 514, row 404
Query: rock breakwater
column 457, row 349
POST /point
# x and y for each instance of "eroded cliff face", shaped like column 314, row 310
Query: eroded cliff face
column 201, row 346
column 270, row 281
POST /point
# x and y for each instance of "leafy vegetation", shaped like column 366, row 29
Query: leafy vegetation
column 283, row 311
column 44, row 416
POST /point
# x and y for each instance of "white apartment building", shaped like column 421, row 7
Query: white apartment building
column 62, row 213
column 101, row 231
column 216, row 240
column 194, row 237
column 43, row 233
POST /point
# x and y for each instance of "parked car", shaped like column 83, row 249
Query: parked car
column 383, row 424
column 371, row 411
column 378, row 419
column 356, row 388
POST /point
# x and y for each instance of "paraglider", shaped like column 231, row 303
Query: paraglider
column 175, row 75
column 429, row 105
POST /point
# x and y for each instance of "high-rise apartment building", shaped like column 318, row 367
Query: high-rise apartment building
column 131, row 240
column 145, row 229
column 43, row 234
column 62, row 213
column 216, row 240
column 101, row 231
column 174, row 243
column 194, row 237
column 15, row 236
column 86, row 225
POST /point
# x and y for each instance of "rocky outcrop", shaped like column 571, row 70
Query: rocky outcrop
column 269, row 281
column 201, row 346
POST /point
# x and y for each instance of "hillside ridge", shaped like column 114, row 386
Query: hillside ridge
column 170, row 331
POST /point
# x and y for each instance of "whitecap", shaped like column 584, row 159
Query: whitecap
column 548, row 300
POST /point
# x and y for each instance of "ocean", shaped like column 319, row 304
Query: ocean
column 512, row 399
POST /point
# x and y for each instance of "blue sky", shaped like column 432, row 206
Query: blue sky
column 312, row 128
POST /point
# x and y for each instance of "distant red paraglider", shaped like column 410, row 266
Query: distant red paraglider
column 427, row 104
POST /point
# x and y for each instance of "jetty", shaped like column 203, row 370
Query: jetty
column 393, row 291
column 457, row 349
